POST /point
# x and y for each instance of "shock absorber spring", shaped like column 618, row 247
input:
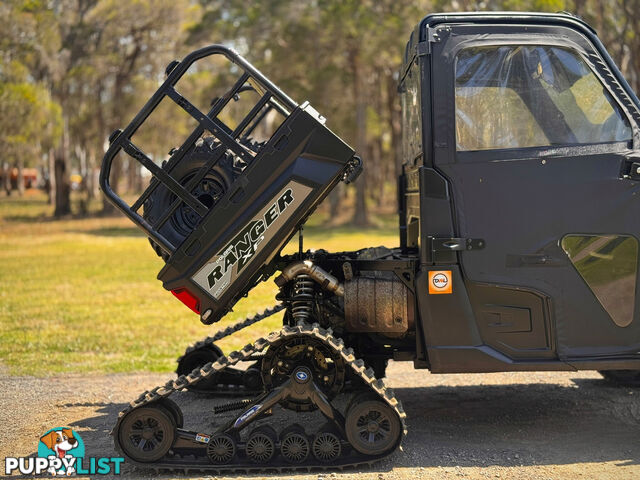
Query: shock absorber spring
column 302, row 303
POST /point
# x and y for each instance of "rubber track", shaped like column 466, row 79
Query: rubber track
column 231, row 329
column 193, row 464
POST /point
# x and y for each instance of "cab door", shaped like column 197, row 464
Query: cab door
column 537, row 142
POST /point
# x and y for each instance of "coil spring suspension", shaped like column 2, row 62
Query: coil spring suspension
column 230, row 407
column 302, row 304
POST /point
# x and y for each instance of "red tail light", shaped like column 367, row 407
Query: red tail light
column 187, row 298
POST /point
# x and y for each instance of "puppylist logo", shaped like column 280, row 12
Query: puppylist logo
column 61, row 452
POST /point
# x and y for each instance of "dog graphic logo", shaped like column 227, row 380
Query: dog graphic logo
column 61, row 451
column 62, row 443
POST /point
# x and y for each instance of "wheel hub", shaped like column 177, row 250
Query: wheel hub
column 326, row 447
column 221, row 449
column 373, row 427
column 208, row 192
column 304, row 360
column 146, row 434
column 302, row 375
column 295, row 447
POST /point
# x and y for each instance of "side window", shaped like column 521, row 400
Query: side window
column 411, row 115
column 608, row 264
column 516, row 96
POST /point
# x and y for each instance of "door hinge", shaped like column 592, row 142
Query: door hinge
column 631, row 168
column 432, row 35
column 455, row 244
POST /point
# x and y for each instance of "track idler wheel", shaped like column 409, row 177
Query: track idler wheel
column 294, row 444
column 147, row 433
column 197, row 359
column 372, row 427
column 174, row 409
column 261, row 444
column 252, row 378
column 221, row 449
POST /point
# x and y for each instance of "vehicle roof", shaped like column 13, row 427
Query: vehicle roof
column 433, row 19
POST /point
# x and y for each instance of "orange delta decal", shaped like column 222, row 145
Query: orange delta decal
column 440, row 282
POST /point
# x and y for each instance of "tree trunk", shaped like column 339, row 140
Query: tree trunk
column 600, row 18
column 92, row 180
column 335, row 202
column 395, row 126
column 61, row 175
column 63, row 187
column 20, row 167
column 360, row 217
column 135, row 177
column 6, row 178
column 50, row 184
column 382, row 170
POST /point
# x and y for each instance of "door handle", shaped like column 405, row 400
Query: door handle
column 455, row 244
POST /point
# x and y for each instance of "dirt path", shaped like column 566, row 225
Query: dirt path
column 497, row 426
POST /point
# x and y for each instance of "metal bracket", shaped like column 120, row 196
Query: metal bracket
column 631, row 168
column 455, row 244
column 432, row 35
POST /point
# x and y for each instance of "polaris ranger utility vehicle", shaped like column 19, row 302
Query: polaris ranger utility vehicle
column 518, row 216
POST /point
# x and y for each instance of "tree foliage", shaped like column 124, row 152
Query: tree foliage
column 71, row 71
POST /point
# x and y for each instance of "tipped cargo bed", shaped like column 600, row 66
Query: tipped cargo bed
column 216, row 247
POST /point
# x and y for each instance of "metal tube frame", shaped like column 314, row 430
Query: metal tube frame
column 229, row 140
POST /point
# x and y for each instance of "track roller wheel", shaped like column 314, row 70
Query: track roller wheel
column 372, row 427
column 147, row 433
column 294, row 444
column 261, row 444
column 326, row 446
column 221, row 449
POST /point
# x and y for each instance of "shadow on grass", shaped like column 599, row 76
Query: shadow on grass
column 28, row 218
column 41, row 218
column 113, row 232
column 316, row 231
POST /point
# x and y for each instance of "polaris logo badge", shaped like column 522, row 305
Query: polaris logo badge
column 246, row 415
column 223, row 269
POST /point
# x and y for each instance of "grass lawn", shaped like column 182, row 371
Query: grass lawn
column 81, row 295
